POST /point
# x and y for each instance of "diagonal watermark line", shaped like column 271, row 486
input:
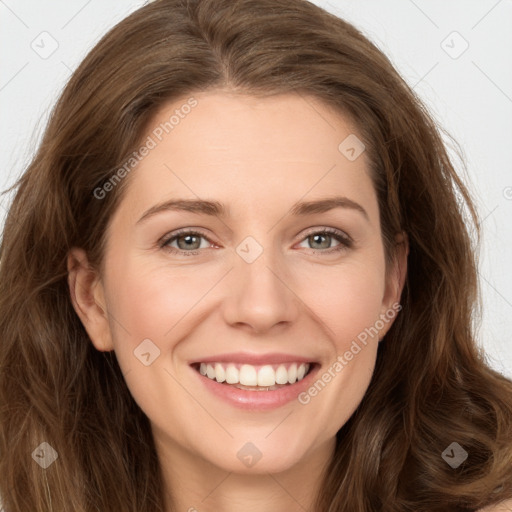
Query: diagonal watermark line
column 71, row 71
column 280, row 423
column 425, row 75
column 199, row 403
column 110, row 315
column 285, row 490
column 492, row 81
column 487, row 216
column 304, row 195
column 199, row 300
column 216, row 487
column 305, row 305
column 14, row 76
column 494, row 288
column 4, row 4
column 313, row 107
column 485, row 15
column 75, row 15
column 424, row 14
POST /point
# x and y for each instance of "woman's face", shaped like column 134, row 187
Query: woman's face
column 257, row 286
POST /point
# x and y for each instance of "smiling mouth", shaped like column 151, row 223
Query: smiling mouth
column 255, row 378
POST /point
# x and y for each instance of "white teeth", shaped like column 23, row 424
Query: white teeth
column 220, row 374
column 281, row 375
column 266, row 376
column 248, row 375
column 210, row 371
column 292, row 373
column 232, row 374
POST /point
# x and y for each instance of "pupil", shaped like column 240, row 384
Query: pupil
column 316, row 237
column 189, row 239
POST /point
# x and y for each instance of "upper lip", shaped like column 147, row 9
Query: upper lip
column 254, row 359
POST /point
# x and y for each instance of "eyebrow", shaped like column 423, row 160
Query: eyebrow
column 216, row 209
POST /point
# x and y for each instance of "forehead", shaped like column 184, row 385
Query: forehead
column 250, row 151
column 288, row 126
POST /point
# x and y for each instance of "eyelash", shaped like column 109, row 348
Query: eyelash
column 345, row 242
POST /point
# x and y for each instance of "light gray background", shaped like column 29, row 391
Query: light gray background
column 469, row 91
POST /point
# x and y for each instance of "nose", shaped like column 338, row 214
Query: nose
column 261, row 295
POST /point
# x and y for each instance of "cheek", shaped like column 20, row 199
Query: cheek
column 149, row 310
column 150, row 303
column 348, row 304
column 346, row 299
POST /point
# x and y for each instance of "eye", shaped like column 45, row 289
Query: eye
column 321, row 240
column 189, row 241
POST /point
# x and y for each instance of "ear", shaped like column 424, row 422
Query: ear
column 395, row 281
column 88, row 299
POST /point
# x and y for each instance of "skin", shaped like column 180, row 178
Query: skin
column 258, row 157
column 504, row 506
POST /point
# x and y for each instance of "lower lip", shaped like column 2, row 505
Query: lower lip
column 259, row 400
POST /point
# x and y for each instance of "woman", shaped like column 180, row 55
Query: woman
column 174, row 339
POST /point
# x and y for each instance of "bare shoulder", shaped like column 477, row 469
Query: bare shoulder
column 504, row 506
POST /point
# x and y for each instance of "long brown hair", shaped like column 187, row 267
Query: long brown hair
column 431, row 385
